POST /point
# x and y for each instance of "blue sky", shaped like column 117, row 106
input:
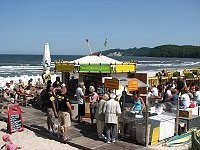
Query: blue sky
column 26, row 25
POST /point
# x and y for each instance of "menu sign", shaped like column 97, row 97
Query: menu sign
column 132, row 85
column 95, row 68
column 15, row 119
column 111, row 83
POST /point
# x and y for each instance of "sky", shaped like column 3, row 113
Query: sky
column 26, row 25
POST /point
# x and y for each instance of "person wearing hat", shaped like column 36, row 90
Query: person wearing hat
column 100, row 117
column 111, row 110
column 8, row 143
column 93, row 99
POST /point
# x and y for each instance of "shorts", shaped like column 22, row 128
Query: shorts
column 81, row 109
column 50, row 116
column 64, row 119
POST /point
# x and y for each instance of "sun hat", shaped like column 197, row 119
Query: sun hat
column 5, row 136
column 105, row 97
column 91, row 89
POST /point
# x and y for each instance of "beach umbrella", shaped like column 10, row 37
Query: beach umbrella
column 46, row 64
column 46, row 58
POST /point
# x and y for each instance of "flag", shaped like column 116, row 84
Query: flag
column 105, row 43
column 87, row 41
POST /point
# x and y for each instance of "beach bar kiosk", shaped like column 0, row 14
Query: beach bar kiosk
column 91, row 69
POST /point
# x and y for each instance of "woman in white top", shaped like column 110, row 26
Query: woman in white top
column 93, row 99
column 197, row 95
column 185, row 99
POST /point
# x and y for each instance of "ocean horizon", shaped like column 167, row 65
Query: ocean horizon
column 31, row 64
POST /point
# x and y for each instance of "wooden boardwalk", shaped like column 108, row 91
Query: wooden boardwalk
column 83, row 136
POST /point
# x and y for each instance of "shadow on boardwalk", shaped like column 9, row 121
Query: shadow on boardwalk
column 83, row 136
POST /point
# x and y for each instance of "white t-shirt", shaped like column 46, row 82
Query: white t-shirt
column 197, row 95
column 169, row 93
column 79, row 94
column 185, row 99
column 154, row 91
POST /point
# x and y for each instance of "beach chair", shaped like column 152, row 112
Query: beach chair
column 22, row 100
column 4, row 103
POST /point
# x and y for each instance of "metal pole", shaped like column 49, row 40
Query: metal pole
column 147, row 121
column 87, row 41
column 123, row 102
column 177, row 117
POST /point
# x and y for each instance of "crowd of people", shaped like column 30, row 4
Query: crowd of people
column 105, row 109
column 12, row 92
column 58, row 108
column 174, row 92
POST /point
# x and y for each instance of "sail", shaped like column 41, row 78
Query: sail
column 46, row 58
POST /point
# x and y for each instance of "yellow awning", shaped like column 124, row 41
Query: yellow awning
column 59, row 66
column 125, row 67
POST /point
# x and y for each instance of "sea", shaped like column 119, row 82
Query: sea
column 18, row 65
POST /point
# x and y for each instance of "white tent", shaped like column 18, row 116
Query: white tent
column 96, row 63
column 93, row 59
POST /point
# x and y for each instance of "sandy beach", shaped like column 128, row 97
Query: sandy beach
column 29, row 140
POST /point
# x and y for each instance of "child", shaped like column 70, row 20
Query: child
column 8, row 144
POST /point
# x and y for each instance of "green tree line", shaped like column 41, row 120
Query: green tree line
column 185, row 51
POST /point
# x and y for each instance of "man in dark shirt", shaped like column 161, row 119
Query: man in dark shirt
column 125, row 100
column 180, row 84
column 57, row 82
column 174, row 98
column 64, row 113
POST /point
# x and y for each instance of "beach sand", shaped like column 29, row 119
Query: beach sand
column 29, row 140
column 161, row 147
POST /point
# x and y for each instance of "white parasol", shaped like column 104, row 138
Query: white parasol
column 46, row 58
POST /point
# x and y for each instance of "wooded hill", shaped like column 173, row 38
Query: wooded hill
column 186, row 51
